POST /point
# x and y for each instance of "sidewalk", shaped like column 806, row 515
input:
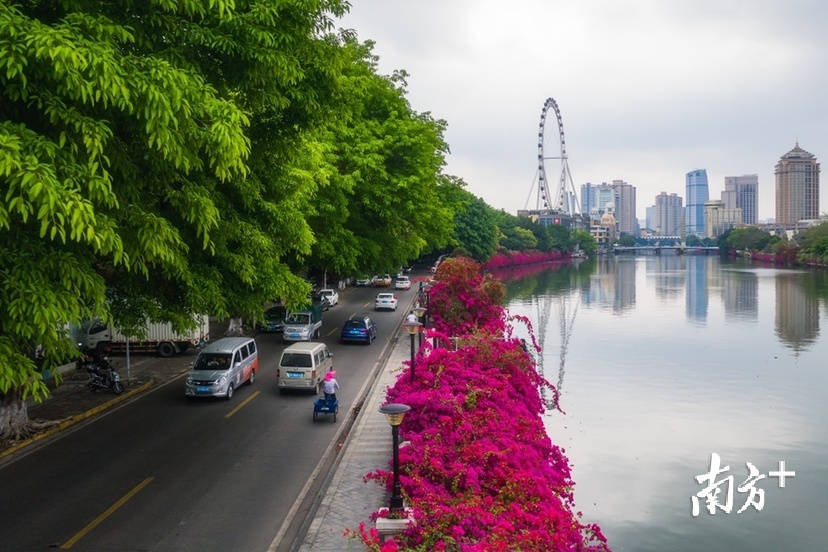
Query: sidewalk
column 348, row 501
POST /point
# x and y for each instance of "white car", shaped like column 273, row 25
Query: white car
column 385, row 301
column 329, row 295
column 402, row 282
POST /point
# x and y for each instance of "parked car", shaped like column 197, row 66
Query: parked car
column 359, row 327
column 274, row 319
column 384, row 280
column 402, row 282
column 385, row 301
column 329, row 295
column 366, row 281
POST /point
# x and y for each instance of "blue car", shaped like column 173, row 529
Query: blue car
column 359, row 328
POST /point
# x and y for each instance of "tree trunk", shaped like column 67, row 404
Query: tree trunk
column 14, row 416
column 235, row 328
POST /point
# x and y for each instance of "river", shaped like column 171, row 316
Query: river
column 663, row 364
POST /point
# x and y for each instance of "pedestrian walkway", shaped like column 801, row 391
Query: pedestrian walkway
column 348, row 501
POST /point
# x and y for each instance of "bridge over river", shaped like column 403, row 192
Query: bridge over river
column 659, row 249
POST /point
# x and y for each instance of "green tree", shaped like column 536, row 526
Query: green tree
column 380, row 204
column 560, row 238
column 475, row 229
column 626, row 240
column 814, row 242
column 152, row 155
column 748, row 239
column 585, row 242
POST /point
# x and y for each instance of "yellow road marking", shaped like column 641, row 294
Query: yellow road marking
column 241, row 404
column 330, row 333
column 97, row 521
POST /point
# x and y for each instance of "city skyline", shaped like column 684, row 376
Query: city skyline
column 648, row 90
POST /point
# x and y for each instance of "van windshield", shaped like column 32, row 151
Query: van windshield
column 213, row 361
column 298, row 319
column 297, row 360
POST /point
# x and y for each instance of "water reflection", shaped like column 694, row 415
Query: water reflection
column 696, row 297
column 669, row 359
column 797, row 317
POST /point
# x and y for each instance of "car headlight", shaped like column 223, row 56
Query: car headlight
column 189, row 380
column 222, row 380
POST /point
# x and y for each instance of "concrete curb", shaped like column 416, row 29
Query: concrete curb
column 65, row 424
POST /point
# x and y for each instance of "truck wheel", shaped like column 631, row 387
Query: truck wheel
column 166, row 350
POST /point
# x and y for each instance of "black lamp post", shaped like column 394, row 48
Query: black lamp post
column 413, row 328
column 419, row 312
column 395, row 413
column 427, row 290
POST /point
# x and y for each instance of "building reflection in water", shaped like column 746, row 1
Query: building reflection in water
column 797, row 316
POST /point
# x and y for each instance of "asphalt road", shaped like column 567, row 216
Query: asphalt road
column 162, row 473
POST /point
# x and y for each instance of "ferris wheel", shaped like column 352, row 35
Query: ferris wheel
column 565, row 197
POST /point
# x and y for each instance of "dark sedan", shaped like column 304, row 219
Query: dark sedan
column 360, row 329
column 274, row 319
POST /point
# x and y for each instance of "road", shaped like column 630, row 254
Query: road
column 162, row 473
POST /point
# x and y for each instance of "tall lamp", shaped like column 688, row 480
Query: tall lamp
column 413, row 328
column 427, row 290
column 395, row 413
column 419, row 312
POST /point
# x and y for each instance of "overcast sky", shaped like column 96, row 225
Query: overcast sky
column 648, row 89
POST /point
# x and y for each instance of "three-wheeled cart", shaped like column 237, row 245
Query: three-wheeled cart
column 325, row 406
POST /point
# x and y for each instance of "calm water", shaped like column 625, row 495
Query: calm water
column 662, row 361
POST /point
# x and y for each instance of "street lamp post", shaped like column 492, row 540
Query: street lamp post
column 395, row 413
column 413, row 328
column 427, row 290
column 419, row 312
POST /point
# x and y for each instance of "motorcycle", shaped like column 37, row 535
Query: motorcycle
column 100, row 379
column 101, row 373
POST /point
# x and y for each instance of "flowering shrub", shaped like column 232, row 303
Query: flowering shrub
column 479, row 471
column 514, row 258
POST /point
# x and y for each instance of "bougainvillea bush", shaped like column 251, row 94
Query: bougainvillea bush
column 516, row 258
column 479, row 471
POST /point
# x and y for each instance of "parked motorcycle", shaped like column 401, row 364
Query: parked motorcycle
column 104, row 379
column 101, row 373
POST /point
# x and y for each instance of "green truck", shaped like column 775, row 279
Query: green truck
column 303, row 324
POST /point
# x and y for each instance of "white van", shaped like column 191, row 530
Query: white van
column 303, row 365
column 222, row 366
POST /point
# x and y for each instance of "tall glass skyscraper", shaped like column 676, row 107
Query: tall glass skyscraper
column 697, row 194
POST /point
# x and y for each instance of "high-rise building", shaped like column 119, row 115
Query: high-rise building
column 668, row 215
column 603, row 195
column 587, row 198
column 797, row 187
column 718, row 219
column 625, row 207
column 697, row 194
column 742, row 192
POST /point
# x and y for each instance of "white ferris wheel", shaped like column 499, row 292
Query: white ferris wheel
column 565, row 198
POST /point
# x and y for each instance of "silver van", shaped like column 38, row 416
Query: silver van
column 222, row 366
column 303, row 365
